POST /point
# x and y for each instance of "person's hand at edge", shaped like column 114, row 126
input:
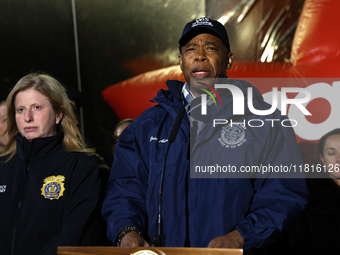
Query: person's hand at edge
column 133, row 239
column 230, row 240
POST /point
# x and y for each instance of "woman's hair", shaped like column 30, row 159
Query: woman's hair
column 57, row 96
column 321, row 144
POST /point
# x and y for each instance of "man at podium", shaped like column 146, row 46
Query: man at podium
column 226, row 210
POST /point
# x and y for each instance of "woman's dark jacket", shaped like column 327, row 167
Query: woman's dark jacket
column 48, row 197
column 317, row 230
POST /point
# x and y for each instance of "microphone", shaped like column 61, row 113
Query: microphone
column 176, row 125
column 158, row 240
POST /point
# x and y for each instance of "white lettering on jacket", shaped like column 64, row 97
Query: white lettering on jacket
column 163, row 141
column 153, row 138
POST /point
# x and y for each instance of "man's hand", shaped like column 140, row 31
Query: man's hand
column 231, row 240
column 132, row 239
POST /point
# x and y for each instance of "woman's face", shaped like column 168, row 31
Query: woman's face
column 34, row 115
column 331, row 155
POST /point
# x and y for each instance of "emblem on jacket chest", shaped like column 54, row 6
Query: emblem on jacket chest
column 232, row 136
column 2, row 188
column 53, row 187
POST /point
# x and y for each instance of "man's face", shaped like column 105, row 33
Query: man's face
column 204, row 56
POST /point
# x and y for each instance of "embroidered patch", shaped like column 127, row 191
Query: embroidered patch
column 201, row 22
column 53, row 187
column 2, row 188
column 232, row 136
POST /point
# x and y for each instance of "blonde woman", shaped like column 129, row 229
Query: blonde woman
column 49, row 182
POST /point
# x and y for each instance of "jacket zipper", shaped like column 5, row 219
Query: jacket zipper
column 17, row 213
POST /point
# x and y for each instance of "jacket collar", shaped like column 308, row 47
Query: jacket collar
column 38, row 148
column 171, row 99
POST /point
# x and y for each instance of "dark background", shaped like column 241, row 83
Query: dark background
column 117, row 40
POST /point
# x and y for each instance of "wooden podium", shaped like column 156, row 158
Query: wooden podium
column 64, row 250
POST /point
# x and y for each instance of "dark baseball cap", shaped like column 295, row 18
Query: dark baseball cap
column 204, row 25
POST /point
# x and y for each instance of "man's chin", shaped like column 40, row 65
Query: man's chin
column 202, row 82
column 196, row 90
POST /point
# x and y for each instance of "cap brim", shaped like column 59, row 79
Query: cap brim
column 194, row 32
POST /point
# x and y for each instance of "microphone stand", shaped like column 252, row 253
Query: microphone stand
column 158, row 240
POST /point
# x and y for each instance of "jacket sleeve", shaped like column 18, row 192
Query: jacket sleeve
column 125, row 201
column 81, row 209
column 278, row 200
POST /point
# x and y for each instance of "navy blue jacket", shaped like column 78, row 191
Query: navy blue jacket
column 196, row 210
